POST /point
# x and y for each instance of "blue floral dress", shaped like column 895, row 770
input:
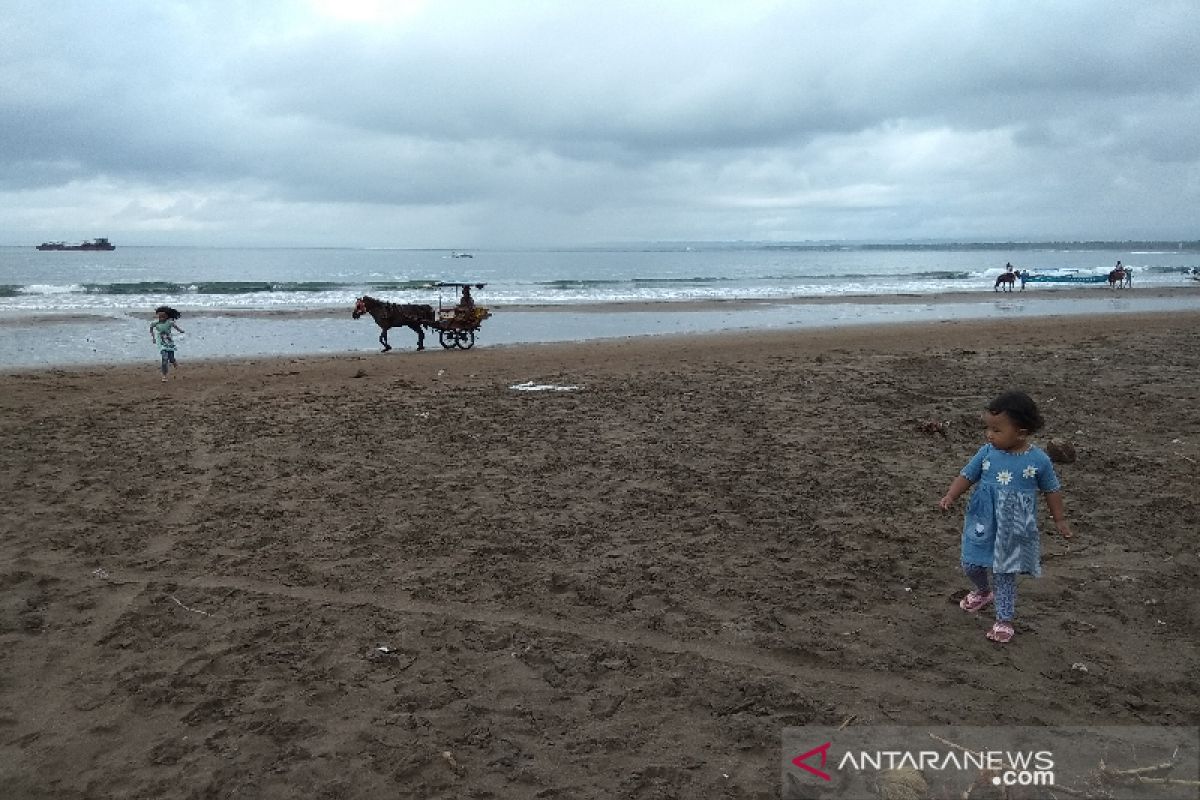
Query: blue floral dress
column 1001, row 528
column 162, row 331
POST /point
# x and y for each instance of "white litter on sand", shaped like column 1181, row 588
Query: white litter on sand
column 530, row 386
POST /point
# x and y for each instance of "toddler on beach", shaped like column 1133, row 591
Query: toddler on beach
column 1000, row 531
column 160, row 334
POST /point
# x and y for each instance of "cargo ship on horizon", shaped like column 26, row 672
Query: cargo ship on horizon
column 95, row 244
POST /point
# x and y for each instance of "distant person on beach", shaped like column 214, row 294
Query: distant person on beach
column 1006, row 279
column 1119, row 277
column 1001, row 531
column 1024, row 276
column 160, row 334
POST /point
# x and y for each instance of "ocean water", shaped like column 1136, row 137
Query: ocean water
column 67, row 308
column 133, row 278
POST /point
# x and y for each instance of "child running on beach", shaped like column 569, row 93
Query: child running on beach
column 160, row 334
column 1001, row 531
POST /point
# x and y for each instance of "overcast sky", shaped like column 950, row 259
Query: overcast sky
column 405, row 123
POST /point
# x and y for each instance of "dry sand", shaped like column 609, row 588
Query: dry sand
column 623, row 590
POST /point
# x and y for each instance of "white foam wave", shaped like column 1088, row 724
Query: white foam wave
column 51, row 288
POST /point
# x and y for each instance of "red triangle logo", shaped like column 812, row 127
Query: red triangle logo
column 824, row 751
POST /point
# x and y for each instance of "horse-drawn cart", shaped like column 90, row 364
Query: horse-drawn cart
column 456, row 324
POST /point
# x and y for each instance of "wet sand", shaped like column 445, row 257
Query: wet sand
column 376, row 576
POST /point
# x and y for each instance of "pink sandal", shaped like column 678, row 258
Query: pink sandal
column 1001, row 632
column 975, row 600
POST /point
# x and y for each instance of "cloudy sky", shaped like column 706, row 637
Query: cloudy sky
column 440, row 123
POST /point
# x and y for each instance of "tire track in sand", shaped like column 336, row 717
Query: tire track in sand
column 201, row 470
column 805, row 669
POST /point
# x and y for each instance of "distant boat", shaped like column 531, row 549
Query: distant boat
column 94, row 244
column 456, row 254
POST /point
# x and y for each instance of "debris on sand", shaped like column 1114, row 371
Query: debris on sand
column 933, row 426
column 1060, row 451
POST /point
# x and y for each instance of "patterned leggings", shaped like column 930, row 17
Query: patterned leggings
column 1006, row 589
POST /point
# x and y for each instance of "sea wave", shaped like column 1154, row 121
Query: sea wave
column 946, row 275
column 668, row 281
column 577, row 283
column 807, row 277
column 49, row 289
column 1166, row 270
column 935, row 274
column 209, row 287
column 57, row 291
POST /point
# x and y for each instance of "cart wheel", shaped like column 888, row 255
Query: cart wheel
column 466, row 340
column 447, row 339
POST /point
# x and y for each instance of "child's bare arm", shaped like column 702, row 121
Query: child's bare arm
column 957, row 487
column 1055, row 503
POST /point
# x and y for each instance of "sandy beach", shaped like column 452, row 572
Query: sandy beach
column 398, row 576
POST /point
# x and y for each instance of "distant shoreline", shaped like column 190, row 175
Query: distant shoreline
column 1170, row 245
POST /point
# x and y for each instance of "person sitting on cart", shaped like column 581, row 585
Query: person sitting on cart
column 466, row 304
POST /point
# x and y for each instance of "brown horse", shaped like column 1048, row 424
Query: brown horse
column 1116, row 278
column 1008, row 279
column 394, row 315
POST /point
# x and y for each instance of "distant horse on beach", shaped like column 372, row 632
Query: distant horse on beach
column 1006, row 279
column 1116, row 279
column 394, row 315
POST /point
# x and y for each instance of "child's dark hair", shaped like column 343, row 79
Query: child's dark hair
column 1020, row 408
column 170, row 312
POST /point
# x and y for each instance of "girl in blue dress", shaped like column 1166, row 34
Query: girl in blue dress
column 1001, row 531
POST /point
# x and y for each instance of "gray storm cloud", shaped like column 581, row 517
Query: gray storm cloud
column 411, row 124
